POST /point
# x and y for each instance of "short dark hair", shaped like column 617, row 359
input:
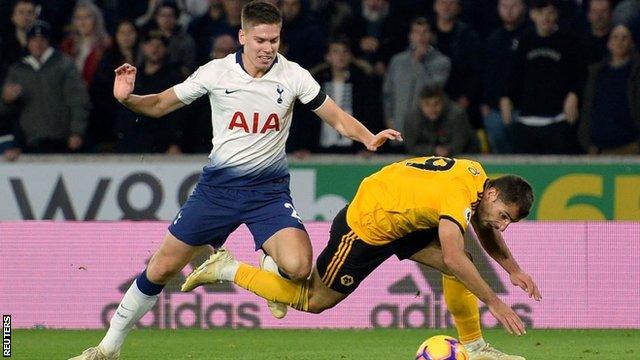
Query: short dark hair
column 339, row 40
column 260, row 12
column 539, row 4
column 429, row 92
column 422, row 21
column 155, row 35
column 513, row 189
column 32, row 2
column 39, row 28
column 168, row 4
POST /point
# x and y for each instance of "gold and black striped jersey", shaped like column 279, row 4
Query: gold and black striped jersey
column 414, row 195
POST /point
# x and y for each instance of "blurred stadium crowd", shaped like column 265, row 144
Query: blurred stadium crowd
column 455, row 76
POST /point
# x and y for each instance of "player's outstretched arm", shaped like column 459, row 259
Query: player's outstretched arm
column 458, row 263
column 348, row 126
column 153, row 105
column 494, row 244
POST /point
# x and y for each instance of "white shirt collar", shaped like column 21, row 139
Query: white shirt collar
column 35, row 64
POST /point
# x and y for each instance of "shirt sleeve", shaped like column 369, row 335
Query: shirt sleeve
column 456, row 208
column 192, row 88
column 308, row 88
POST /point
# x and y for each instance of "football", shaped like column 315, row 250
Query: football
column 441, row 347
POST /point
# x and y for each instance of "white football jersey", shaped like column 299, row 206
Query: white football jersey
column 250, row 117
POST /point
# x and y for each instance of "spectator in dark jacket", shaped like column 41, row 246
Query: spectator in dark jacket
column 410, row 71
column 46, row 92
column 302, row 36
column 600, row 21
column 498, row 56
column 140, row 134
column 438, row 127
column 13, row 43
column 206, row 28
column 611, row 115
column 12, row 48
column 547, row 77
column 375, row 32
column 459, row 41
column 101, row 131
column 181, row 50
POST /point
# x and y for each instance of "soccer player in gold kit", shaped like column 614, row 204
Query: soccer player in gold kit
column 415, row 209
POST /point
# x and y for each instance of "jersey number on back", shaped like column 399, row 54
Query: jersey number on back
column 436, row 163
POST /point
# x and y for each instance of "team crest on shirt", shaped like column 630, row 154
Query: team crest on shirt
column 473, row 171
column 467, row 215
column 280, row 90
column 346, row 280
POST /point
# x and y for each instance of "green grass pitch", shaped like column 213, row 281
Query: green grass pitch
column 321, row 344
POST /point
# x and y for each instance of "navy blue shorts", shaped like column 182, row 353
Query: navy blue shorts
column 211, row 213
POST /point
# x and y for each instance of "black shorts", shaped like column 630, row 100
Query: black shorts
column 347, row 260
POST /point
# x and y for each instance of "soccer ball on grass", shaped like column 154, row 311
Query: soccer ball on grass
column 441, row 347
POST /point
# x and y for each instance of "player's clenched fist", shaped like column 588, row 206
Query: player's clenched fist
column 124, row 82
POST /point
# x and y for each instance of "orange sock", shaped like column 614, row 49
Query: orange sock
column 272, row 287
column 463, row 305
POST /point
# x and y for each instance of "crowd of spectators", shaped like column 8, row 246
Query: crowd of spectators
column 455, row 76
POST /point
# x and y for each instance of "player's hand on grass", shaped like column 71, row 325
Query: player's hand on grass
column 380, row 138
column 526, row 283
column 507, row 317
column 124, row 82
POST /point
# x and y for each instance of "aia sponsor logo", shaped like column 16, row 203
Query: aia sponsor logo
column 256, row 124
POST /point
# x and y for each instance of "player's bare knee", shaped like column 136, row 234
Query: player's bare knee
column 298, row 270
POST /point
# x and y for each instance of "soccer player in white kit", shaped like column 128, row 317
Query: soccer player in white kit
column 252, row 93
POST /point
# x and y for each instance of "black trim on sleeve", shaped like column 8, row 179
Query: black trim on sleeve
column 317, row 101
column 454, row 220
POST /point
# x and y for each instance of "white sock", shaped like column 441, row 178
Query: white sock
column 132, row 308
column 228, row 272
column 475, row 345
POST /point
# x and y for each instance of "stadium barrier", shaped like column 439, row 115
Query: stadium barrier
column 72, row 275
column 152, row 187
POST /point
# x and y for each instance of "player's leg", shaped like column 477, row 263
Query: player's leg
column 165, row 263
column 142, row 295
column 461, row 303
column 278, row 231
column 341, row 266
column 344, row 263
column 309, row 295
column 290, row 248
column 301, row 295
column 320, row 291
column 199, row 222
column 291, row 259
